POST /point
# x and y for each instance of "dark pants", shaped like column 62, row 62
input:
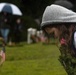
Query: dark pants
column 17, row 36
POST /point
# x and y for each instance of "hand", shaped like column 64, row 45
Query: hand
column 5, row 20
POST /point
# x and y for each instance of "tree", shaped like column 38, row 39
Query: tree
column 35, row 8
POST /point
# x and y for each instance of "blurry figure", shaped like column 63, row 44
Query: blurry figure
column 18, row 31
column 2, row 50
column 5, row 26
column 29, row 32
column 46, row 39
column 42, row 37
column 32, row 36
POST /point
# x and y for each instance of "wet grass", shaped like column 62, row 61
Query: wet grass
column 33, row 59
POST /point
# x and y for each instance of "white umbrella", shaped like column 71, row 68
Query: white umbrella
column 10, row 8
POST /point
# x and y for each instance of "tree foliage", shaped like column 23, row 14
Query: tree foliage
column 35, row 7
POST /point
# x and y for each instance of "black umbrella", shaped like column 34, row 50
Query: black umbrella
column 64, row 3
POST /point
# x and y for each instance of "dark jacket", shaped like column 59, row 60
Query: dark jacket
column 5, row 22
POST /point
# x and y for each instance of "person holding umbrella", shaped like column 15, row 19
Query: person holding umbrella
column 5, row 26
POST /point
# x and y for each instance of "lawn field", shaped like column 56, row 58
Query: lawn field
column 33, row 59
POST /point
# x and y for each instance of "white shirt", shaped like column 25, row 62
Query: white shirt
column 75, row 39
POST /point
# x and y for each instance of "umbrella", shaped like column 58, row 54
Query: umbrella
column 64, row 3
column 10, row 8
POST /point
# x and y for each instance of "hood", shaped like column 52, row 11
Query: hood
column 55, row 14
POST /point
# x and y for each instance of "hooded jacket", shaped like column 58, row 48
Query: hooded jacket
column 55, row 14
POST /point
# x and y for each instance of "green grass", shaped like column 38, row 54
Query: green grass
column 33, row 59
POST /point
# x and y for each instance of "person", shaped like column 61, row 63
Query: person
column 33, row 35
column 5, row 26
column 18, row 31
column 56, row 15
column 2, row 51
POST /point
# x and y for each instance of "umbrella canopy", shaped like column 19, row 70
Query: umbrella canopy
column 64, row 3
column 10, row 8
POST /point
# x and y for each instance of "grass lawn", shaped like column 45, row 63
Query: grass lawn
column 33, row 59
